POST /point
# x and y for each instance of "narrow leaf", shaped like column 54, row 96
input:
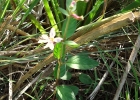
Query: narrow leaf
column 63, row 11
column 19, row 6
column 131, row 6
column 95, row 10
column 37, row 24
column 34, row 3
column 50, row 14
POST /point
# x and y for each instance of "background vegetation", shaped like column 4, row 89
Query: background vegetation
column 108, row 34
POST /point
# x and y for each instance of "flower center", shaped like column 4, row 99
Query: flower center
column 52, row 39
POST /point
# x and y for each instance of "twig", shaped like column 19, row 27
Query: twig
column 128, row 67
column 10, row 84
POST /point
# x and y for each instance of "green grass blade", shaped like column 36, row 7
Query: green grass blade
column 18, row 7
column 131, row 6
column 135, row 74
column 108, row 68
column 37, row 24
column 60, row 4
column 56, row 12
column 34, row 3
column 94, row 11
column 50, row 14
column 136, row 92
column 4, row 11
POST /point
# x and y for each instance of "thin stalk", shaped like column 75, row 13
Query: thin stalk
column 67, row 25
column 64, row 37
column 57, row 78
column 58, row 72
column 60, row 61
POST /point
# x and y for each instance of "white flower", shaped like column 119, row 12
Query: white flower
column 50, row 40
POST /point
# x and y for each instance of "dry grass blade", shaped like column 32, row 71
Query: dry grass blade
column 9, row 53
column 107, row 27
column 128, row 67
column 7, row 25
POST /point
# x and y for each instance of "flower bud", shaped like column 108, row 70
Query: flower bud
column 73, row 4
column 75, row 16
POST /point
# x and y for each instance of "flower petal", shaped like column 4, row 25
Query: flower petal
column 58, row 39
column 52, row 33
column 51, row 45
column 46, row 46
column 44, row 36
column 43, row 39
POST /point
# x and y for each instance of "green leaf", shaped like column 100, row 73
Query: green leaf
column 65, row 93
column 81, row 7
column 57, row 52
column 131, row 6
column 63, row 11
column 71, row 44
column 63, row 70
column 69, row 27
column 86, row 79
column 66, row 76
column 81, row 62
column 75, row 89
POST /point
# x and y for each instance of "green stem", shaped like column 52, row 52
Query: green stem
column 64, row 37
column 66, row 28
column 57, row 77
column 58, row 71
column 62, row 59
